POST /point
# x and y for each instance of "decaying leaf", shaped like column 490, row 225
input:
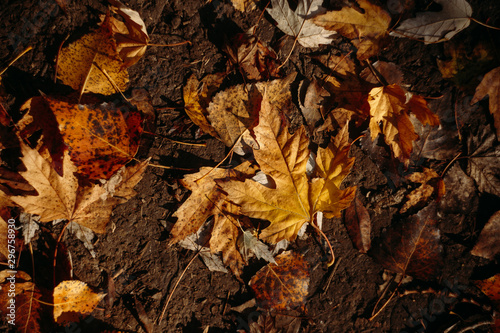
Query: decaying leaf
column 284, row 285
column 391, row 72
column 81, row 64
column 491, row 288
column 61, row 197
column 4, row 233
column 27, row 309
column 431, row 183
column 488, row 244
column 131, row 36
column 412, row 247
column 298, row 23
column 311, row 97
column 490, row 85
column 358, row 224
column 249, row 245
column 73, row 299
column 434, row 27
column 244, row 5
column 253, row 57
column 100, row 138
column 293, row 200
column 390, row 106
column 197, row 96
column 365, row 29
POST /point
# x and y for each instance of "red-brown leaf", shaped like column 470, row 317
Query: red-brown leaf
column 358, row 224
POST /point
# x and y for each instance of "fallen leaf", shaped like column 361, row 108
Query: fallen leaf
column 390, row 105
column 488, row 244
column 29, row 224
column 293, row 200
column 490, row 85
column 73, row 299
column 284, row 285
column 131, row 36
column 412, row 247
column 255, row 60
column 4, row 234
column 388, row 70
column 81, row 64
column 491, row 288
column 311, row 98
column 298, row 23
column 61, row 197
column 484, row 161
column 233, row 111
column 244, row 5
column 197, row 96
column 27, row 309
column 365, row 29
column 249, row 246
column 358, row 224
column 435, row 27
column 100, row 138
column 207, row 200
column 431, row 183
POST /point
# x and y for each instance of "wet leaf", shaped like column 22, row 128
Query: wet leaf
column 365, row 29
column 100, row 138
column 298, row 23
column 131, row 36
column 358, row 224
column 390, row 106
column 293, row 200
column 490, row 85
column 284, row 285
column 197, row 96
column 255, row 60
column 434, row 27
column 61, row 197
column 81, row 64
column 488, row 244
column 73, row 299
column 412, row 247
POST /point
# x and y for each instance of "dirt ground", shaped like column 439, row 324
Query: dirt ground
column 133, row 254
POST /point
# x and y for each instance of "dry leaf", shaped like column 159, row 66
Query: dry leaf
column 434, row 27
column 490, row 85
column 412, row 247
column 388, row 70
column 298, row 23
column 311, row 97
column 100, row 138
column 293, row 200
column 365, row 30
column 73, row 299
column 253, row 57
column 197, row 96
column 244, row 5
column 4, row 234
column 249, row 245
column 61, row 197
column 79, row 63
column 27, row 310
column 491, row 288
column 131, row 36
column 488, row 244
column 431, row 183
column 390, row 105
column 284, row 285
column 358, row 224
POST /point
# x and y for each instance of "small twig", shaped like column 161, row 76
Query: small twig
column 29, row 48
column 175, row 141
column 175, row 287
column 449, row 164
column 377, row 75
column 55, row 252
column 169, row 45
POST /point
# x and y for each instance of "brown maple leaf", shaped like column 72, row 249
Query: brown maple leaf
column 488, row 244
column 431, row 183
column 490, row 85
column 61, row 197
column 412, row 247
column 390, row 106
column 358, row 225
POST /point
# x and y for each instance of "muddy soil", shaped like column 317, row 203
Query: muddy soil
column 132, row 260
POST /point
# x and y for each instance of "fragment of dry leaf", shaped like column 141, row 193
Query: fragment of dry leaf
column 490, row 85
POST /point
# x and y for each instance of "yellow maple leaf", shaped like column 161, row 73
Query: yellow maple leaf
column 366, row 29
column 61, row 197
column 389, row 107
column 294, row 200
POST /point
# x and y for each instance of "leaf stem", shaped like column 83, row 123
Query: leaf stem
column 331, row 262
column 483, row 24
